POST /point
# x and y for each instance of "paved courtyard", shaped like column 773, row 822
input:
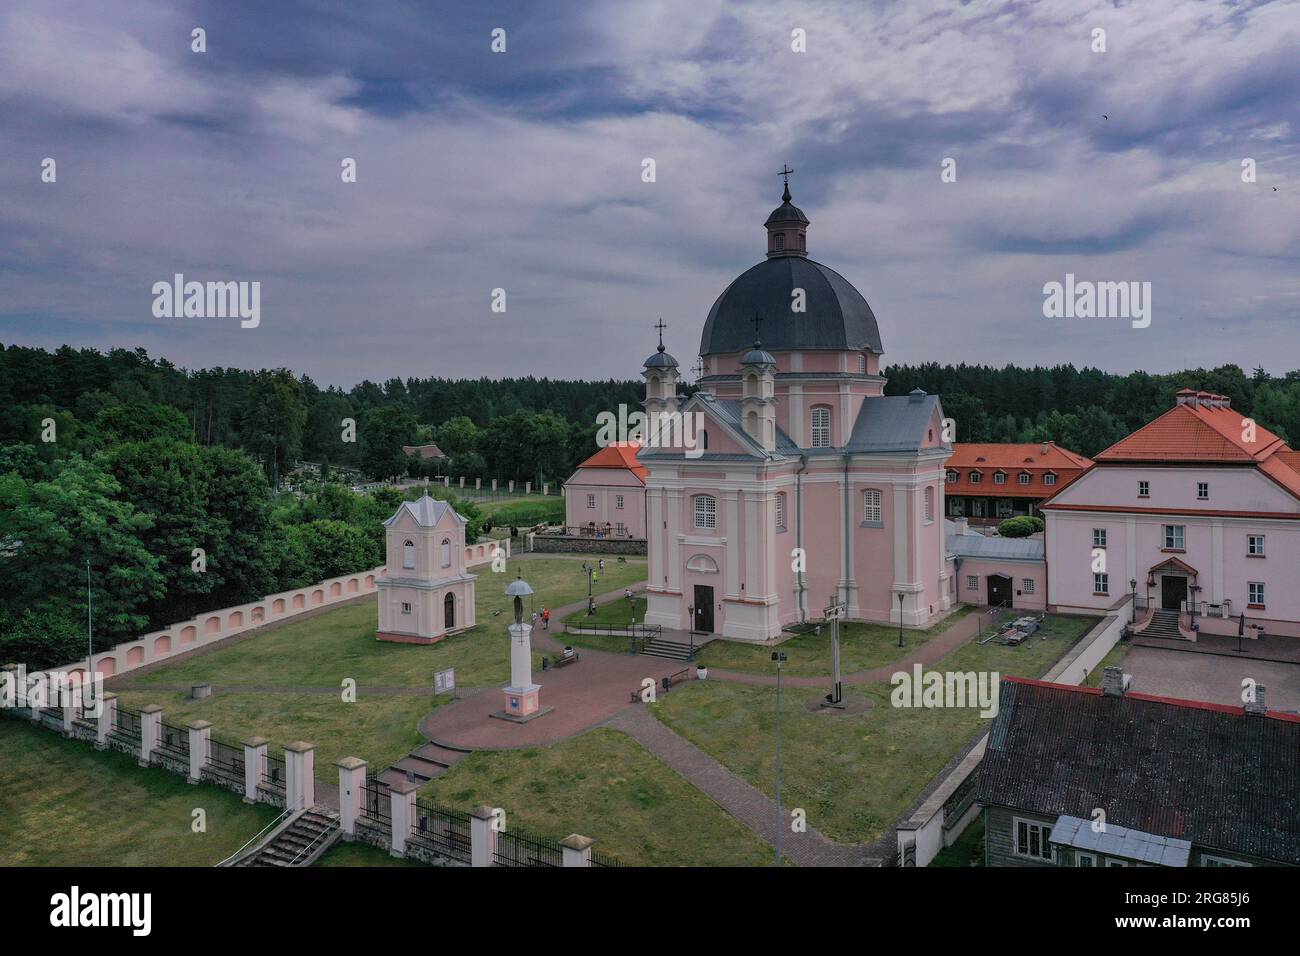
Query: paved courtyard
column 1211, row 677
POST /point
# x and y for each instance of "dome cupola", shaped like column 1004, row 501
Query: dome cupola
column 787, row 226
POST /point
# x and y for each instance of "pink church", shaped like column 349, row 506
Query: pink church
column 1196, row 513
column 807, row 484
column 426, row 593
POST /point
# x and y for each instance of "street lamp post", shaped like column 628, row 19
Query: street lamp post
column 778, row 658
column 1133, row 600
column 900, row 618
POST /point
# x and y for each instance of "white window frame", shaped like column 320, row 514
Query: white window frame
column 1202, row 491
column 976, row 477
column 780, row 511
column 1253, row 549
column 999, row 477
column 618, row 502
column 706, row 512
column 1099, row 537
column 1208, row 860
column 1044, row 839
column 1049, row 478
column 929, row 505
column 446, row 552
column 406, row 607
column 951, row 476
column 1027, row 585
column 1024, row 477
column 1255, row 593
column 972, row 582
column 1144, row 489
column 821, row 426
column 591, row 502
column 1100, row 582
column 1175, row 537
column 873, row 509
column 862, row 363
column 408, row 555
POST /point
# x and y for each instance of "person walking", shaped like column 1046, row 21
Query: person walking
column 546, row 618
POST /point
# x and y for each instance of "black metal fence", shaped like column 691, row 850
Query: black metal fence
column 376, row 802
column 517, row 848
column 273, row 773
column 226, row 757
column 604, row 859
column 442, row 830
column 175, row 740
column 126, row 724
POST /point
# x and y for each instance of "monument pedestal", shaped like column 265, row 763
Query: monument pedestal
column 521, row 694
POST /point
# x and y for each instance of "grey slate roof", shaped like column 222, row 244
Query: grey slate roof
column 660, row 359
column 988, row 546
column 426, row 511
column 837, row 315
column 1121, row 841
column 1207, row 773
column 786, row 212
column 892, row 423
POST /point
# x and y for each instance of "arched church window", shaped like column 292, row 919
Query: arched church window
column 446, row 552
column 706, row 511
column 408, row 554
column 821, row 426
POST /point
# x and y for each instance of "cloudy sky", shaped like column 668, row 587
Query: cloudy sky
column 522, row 170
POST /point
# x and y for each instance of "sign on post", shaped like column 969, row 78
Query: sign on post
column 444, row 682
column 834, row 612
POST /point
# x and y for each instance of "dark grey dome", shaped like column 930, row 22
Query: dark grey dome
column 757, row 356
column 661, row 359
column 837, row 317
column 786, row 212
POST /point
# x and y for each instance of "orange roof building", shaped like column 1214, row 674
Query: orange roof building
column 989, row 482
column 605, row 497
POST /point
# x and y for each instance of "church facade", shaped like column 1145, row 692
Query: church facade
column 808, row 485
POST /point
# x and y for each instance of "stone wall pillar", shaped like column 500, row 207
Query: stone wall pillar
column 494, row 484
column 37, row 700
column 150, row 731
column 512, row 486
column 352, row 782
column 300, row 769
column 577, row 850
column 200, row 735
column 546, row 488
column 482, row 836
column 528, row 487
column 402, row 794
column 71, row 708
column 254, row 764
column 107, row 717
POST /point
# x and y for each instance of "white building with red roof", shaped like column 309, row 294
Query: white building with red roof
column 606, row 495
column 1198, row 513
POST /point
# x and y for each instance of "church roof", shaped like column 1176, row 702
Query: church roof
column 837, row 317
column 426, row 511
column 891, row 423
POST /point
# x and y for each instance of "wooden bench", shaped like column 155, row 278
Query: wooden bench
column 677, row 678
column 563, row 661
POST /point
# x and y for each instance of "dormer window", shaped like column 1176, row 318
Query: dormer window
column 408, row 555
column 1024, row 477
column 952, row 477
column 976, row 477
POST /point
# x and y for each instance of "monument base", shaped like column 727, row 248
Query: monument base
column 524, row 718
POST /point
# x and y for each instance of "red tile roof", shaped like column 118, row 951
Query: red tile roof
column 618, row 455
column 1012, row 459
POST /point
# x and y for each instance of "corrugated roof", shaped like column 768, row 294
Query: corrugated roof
column 990, row 546
column 1206, row 773
column 1126, row 842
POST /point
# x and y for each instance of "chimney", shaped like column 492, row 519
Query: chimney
column 960, row 526
column 1113, row 682
column 1257, row 706
column 1046, row 447
column 1186, row 396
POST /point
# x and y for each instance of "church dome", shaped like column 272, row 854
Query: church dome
column 837, row 317
column 661, row 359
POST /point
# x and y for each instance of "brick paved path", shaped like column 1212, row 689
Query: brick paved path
column 743, row 801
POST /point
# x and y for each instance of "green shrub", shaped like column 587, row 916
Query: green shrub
column 1021, row 526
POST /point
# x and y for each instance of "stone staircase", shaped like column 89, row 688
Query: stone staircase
column 668, row 650
column 300, row 843
column 1164, row 623
column 424, row 763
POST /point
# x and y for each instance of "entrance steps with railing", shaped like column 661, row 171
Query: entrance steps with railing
column 668, row 649
column 1164, row 623
column 300, row 843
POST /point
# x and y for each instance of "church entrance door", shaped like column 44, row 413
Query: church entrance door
column 703, row 609
column 449, row 612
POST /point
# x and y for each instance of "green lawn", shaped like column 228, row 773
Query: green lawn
column 337, row 644
column 361, row 854
column 615, row 613
column 863, row 647
column 606, row 786
column 853, row 774
column 1114, row 658
column 63, row 803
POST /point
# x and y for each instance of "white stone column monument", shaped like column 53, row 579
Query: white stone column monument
column 521, row 694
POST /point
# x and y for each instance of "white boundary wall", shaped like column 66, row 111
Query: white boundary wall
column 212, row 626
